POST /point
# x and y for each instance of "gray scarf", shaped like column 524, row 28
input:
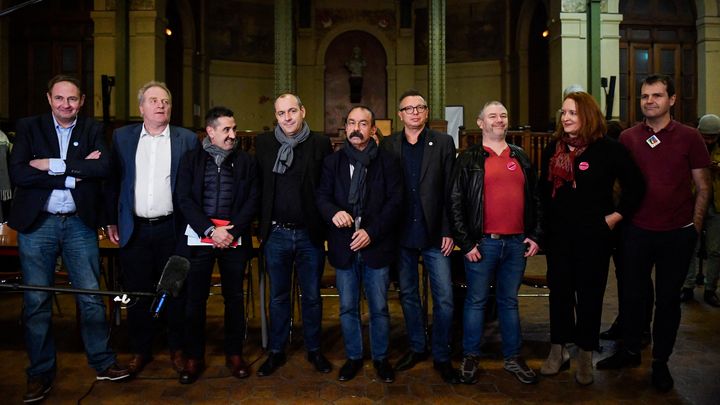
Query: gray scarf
column 218, row 154
column 287, row 144
column 360, row 160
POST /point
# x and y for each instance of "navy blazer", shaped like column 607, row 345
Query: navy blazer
column 120, row 193
column 435, row 177
column 382, row 212
column 191, row 184
column 37, row 139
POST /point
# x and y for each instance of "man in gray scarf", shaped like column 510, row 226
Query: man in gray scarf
column 291, row 230
column 217, row 194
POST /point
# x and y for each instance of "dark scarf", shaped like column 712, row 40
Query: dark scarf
column 360, row 160
column 218, row 154
column 287, row 144
column 562, row 162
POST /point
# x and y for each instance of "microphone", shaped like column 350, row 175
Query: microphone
column 171, row 281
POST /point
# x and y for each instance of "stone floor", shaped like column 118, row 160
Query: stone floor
column 695, row 365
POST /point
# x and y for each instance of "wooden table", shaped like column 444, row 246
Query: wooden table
column 108, row 250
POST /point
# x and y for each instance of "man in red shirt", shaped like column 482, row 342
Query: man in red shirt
column 663, row 231
column 494, row 216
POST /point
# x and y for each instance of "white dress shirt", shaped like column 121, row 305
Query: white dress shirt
column 153, row 191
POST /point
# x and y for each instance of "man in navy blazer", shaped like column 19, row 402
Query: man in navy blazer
column 143, row 218
column 427, row 157
column 360, row 197
column 57, row 165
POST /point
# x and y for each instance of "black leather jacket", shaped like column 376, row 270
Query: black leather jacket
column 466, row 197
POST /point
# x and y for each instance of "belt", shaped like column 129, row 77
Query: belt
column 153, row 221
column 62, row 214
column 499, row 236
column 288, row 225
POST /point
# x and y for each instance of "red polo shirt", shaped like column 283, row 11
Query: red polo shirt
column 503, row 202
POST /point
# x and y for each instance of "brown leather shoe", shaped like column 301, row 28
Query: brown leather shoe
column 191, row 371
column 237, row 365
column 138, row 363
column 178, row 360
column 115, row 372
column 37, row 389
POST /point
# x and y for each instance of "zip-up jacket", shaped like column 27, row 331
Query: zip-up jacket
column 466, row 197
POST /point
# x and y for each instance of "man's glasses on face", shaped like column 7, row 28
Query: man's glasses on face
column 412, row 109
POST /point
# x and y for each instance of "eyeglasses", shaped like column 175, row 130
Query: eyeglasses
column 410, row 109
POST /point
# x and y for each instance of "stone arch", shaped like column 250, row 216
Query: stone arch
column 379, row 34
column 342, row 89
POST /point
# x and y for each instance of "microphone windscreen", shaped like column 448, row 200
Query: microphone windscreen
column 174, row 275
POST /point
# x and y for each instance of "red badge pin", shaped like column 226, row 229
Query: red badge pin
column 584, row 165
column 511, row 166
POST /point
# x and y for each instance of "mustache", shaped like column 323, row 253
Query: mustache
column 355, row 134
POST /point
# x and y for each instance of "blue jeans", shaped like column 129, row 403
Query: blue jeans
column 39, row 249
column 285, row 249
column 376, row 282
column 503, row 262
column 438, row 268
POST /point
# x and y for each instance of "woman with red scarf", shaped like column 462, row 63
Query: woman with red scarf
column 579, row 168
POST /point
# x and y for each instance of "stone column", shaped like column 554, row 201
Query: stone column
column 569, row 49
column 708, row 51
column 283, row 47
column 436, row 59
column 146, row 52
column 610, row 57
column 103, row 62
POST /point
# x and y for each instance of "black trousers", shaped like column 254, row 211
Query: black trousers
column 670, row 252
column 618, row 257
column 232, row 263
column 578, row 263
column 142, row 261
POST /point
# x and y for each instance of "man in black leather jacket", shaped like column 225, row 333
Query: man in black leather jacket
column 495, row 219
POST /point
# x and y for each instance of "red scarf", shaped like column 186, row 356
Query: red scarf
column 562, row 162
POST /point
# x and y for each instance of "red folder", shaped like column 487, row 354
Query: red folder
column 218, row 222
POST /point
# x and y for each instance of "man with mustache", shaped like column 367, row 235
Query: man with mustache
column 359, row 198
column 217, row 194
column 143, row 216
column 291, row 230
column 495, row 219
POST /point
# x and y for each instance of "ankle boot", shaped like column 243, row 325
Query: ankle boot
column 558, row 359
column 584, row 372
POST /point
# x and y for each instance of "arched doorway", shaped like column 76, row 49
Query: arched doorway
column 530, row 83
column 372, row 91
column 174, row 60
column 658, row 36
